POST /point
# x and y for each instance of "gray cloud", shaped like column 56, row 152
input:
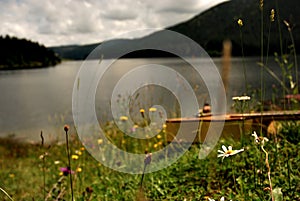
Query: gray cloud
column 61, row 22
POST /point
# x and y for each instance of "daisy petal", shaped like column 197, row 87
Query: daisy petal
column 222, row 152
column 224, row 148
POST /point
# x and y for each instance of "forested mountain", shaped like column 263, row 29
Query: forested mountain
column 212, row 27
column 21, row 53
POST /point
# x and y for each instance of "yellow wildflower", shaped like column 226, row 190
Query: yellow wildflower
column 11, row 175
column 158, row 136
column 75, row 157
column 240, row 22
column 79, row 153
column 100, row 141
column 79, row 169
column 152, row 109
column 155, row 146
column 142, row 111
column 123, row 118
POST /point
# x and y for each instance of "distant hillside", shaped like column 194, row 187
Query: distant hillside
column 75, row 52
column 211, row 28
column 21, row 53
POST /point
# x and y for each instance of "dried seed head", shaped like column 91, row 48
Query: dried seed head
column 287, row 25
column 66, row 128
column 261, row 4
column 272, row 15
column 148, row 158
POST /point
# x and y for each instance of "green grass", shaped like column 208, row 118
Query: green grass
column 239, row 177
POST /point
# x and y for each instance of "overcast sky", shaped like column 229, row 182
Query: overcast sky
column 64, row 22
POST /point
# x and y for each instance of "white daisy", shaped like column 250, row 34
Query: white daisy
column 259, row 140
column 228, row 152
column 222, row 199
column 241, row 98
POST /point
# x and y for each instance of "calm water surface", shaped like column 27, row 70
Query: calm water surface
column 41, row 99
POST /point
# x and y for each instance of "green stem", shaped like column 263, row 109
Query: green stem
column 295, row 60
column 69, row 162
column 7, row 195
column 233, row 175
column 269, row 172
column 280, row 42
column 243, row 61
column 262, row 61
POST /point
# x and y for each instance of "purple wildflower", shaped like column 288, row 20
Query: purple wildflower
column 66, row 171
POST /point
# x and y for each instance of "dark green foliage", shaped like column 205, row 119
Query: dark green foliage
column 291, row 130
column 21, row 53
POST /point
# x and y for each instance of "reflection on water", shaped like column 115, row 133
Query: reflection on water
column 41, row 99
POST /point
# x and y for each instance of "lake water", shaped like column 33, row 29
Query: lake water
column 41, row 99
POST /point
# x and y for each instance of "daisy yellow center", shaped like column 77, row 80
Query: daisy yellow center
column 229, row 152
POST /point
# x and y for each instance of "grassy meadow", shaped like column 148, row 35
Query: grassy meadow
column 35, row 172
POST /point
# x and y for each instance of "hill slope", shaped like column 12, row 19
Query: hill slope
column 212, row 27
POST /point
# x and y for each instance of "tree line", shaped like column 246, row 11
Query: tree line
column 18, row 53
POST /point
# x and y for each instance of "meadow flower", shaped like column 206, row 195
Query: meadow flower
column 142, row 111
column 259, row 140
column 43, row 156
column 152, row 109
column 228, row 152
column 79, row 153
column 272, row 15
column 75, row 157
column 133, row 129
column 56, row 162
column 222, row 199
column 158, row 136
column 240, row 22
column 79, row 169
column 123, row 118
column 241, row 98
column 100, row 141
column 66, row 171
